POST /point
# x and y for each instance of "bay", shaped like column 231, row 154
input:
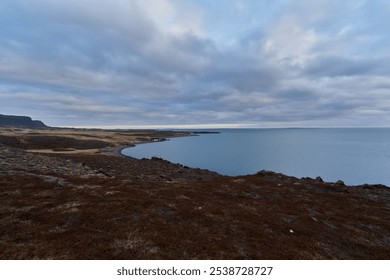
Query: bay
column 353, row 155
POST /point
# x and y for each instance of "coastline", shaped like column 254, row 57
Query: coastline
column 294, row 153
column 88, row 141
column 105, row 205
column 118, row 150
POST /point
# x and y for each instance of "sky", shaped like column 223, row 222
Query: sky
column 214, row 63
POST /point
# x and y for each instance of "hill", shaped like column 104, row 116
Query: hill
column 19, row 121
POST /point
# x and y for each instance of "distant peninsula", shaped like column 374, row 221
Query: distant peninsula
column 20, row 121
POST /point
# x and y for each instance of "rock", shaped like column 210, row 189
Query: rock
column 265, row 172
column 339, row 182
column 156, row 158
column 18, row 159
column 319, row 179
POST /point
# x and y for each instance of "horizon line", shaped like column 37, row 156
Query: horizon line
column 207, row 126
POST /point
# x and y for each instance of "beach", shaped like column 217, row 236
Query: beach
column 70, row 194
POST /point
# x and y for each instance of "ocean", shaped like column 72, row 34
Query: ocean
column 353, row 155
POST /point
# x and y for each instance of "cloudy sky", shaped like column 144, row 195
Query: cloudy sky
column 246, row 63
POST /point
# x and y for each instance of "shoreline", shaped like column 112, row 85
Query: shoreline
column 338, row 181
column 118, row 150
column 68, row 141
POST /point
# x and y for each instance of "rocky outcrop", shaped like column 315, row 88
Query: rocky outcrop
column 17, row 162
column 19, row 121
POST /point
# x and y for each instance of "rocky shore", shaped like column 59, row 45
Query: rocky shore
column 67, row 194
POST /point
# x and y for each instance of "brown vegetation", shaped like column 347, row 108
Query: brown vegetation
column 110, row 207
column 51, row 139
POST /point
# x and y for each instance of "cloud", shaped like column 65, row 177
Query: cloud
column 341, row 66
column 123, row 62
column 288, row 42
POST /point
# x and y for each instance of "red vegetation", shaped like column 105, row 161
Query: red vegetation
column 151, row 209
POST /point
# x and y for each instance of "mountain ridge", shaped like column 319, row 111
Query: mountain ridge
column 20, row 121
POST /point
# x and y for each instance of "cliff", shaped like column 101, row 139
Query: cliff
column 19, row 121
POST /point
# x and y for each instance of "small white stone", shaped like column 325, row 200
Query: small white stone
column 291, row 231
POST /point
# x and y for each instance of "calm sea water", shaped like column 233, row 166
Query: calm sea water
column 354, row 155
